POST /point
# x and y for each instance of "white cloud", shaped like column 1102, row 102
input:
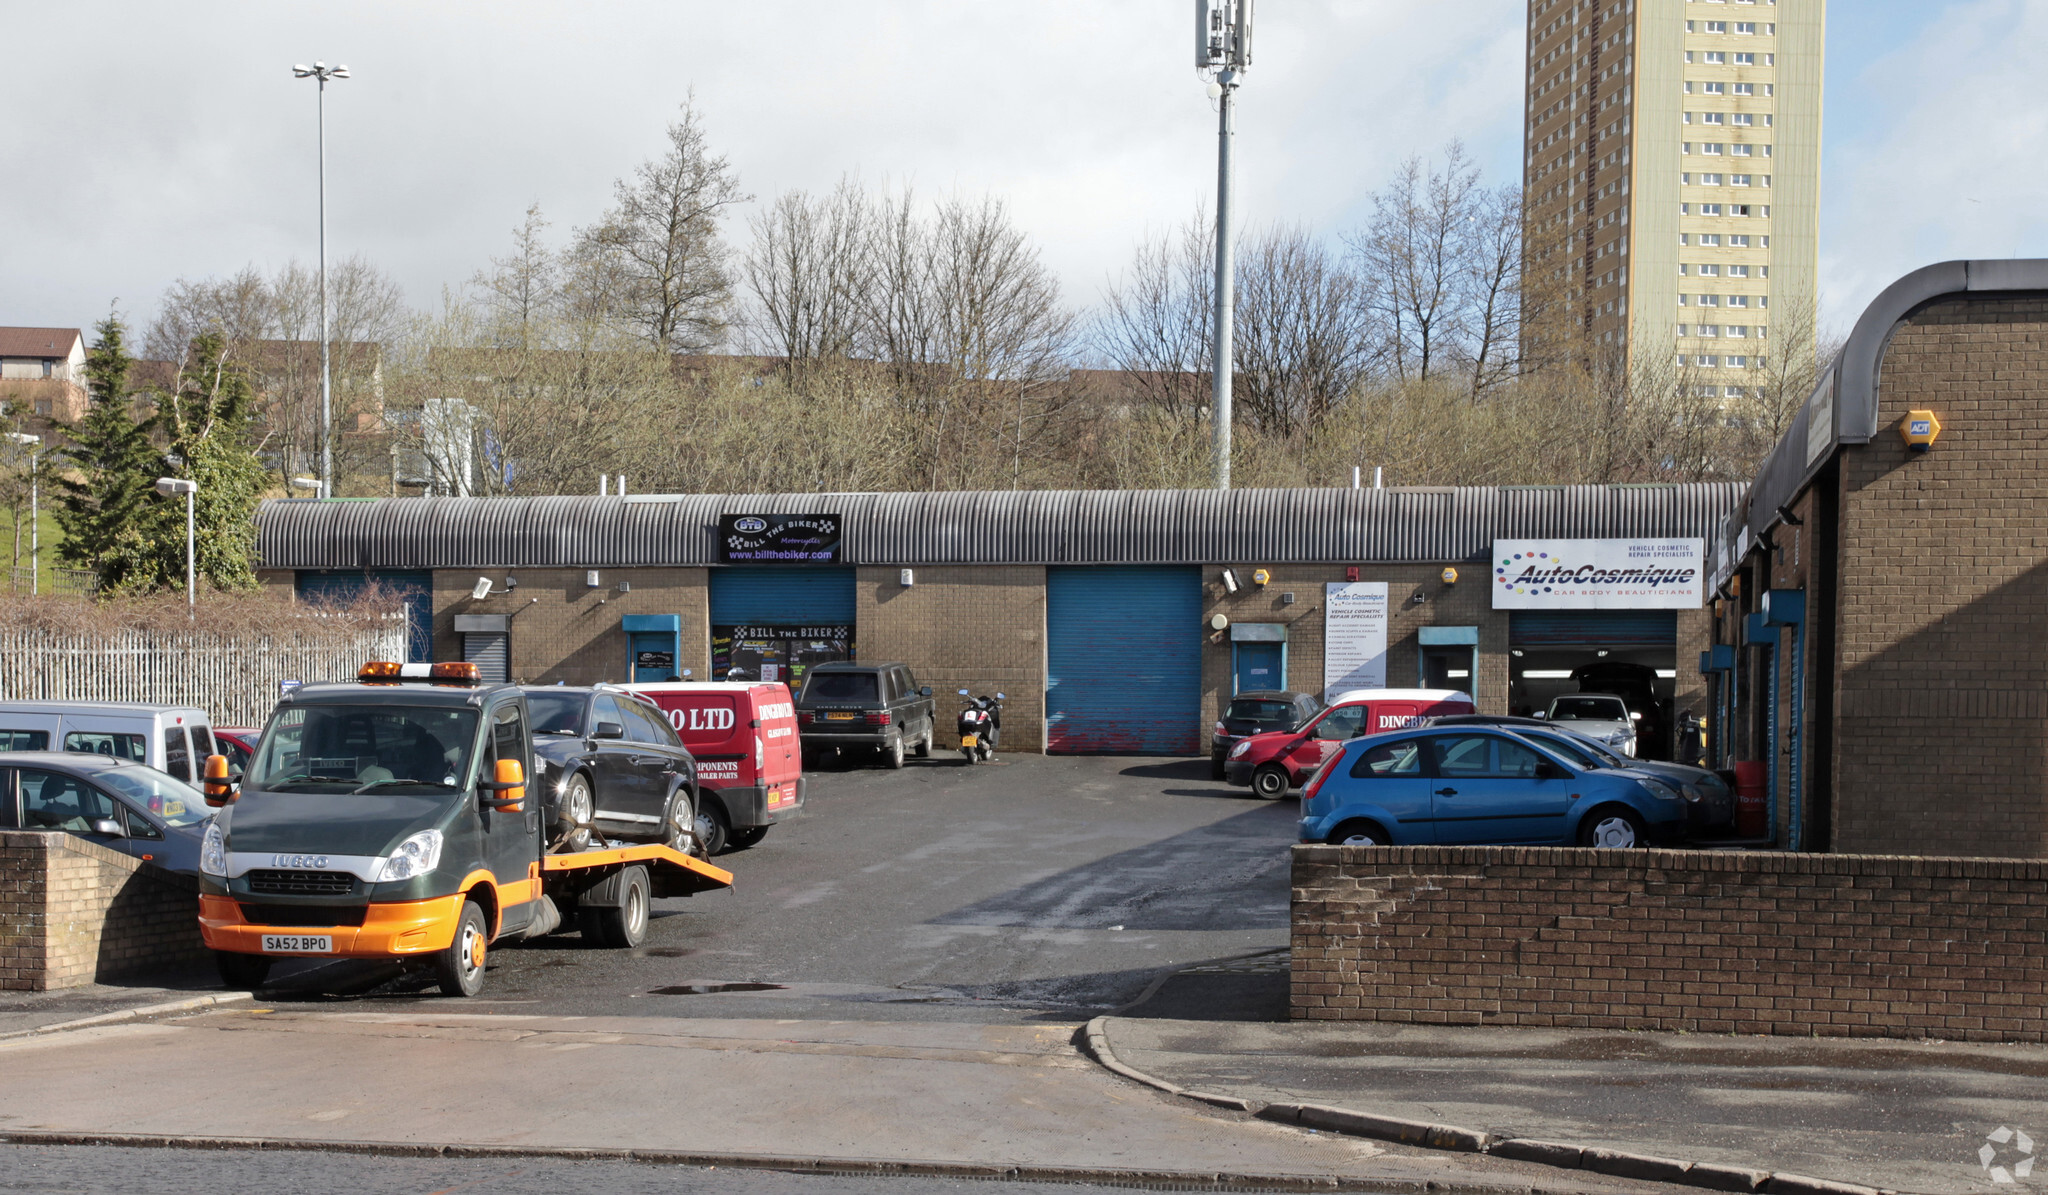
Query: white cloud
column 1949, row 158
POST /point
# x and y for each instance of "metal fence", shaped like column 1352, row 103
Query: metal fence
column 23, row 579
column 235, row 678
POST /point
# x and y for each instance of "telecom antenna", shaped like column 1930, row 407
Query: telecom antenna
column 1223, row 50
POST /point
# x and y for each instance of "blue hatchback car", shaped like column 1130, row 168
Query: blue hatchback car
column 1468, row 784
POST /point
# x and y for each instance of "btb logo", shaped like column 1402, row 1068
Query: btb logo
column 2007, row 1155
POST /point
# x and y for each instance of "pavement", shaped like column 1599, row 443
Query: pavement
column 24, row 1013
column 1895, row 1115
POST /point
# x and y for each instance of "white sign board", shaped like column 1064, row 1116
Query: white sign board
column 1354, row 637
column 1598, row 574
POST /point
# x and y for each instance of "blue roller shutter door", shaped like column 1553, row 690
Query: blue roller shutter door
column 1124, row 661
column 781, row 596
column 1593, row 628
column 414, row 589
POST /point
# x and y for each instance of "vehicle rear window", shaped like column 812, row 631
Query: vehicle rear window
column 98, row 742
column 177, row 758
column 24, row 740
column 1589, row 709
column 1261, row 711
column 840, row 686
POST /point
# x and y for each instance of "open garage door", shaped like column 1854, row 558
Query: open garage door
column 1123, row 661
column 1631, row 653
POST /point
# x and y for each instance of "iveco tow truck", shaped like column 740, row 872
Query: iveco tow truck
column 404, row 817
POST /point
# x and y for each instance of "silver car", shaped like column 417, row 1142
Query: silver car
column 1599, row 716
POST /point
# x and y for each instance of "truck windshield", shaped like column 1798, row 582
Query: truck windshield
column 556, row 713
column 351, row 749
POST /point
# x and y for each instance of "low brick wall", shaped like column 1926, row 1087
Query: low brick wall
column 1701, row 941
column 73, row 913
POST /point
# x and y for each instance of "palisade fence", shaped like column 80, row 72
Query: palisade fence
column 234, row 677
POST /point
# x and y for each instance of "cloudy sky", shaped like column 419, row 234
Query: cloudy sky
column 155, row 141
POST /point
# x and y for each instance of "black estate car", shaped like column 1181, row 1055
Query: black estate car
column 877, row 707
column 614, row 767
column 1256, row 712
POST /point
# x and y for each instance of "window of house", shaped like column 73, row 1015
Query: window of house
column 1710, row 238
column 1745, row 89
column 1714, row 88
column 1738, row 271
column 1710, row 301
column 1705, row 361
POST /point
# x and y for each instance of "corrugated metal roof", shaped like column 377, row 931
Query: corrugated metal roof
column 1008, row 527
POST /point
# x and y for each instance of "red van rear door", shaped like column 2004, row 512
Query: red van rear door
column 782, row 760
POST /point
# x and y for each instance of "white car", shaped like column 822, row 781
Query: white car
column 1599, row 716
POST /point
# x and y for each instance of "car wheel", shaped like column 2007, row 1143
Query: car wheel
column 1359, row 834
column 680, row 821
column 1613, row 826
column 241, row 972
column 751, row 836
column 712, row 830
column 1270, row 781
column 893, row 753
column 626, row 926
column 572, row 818
column 459, row 966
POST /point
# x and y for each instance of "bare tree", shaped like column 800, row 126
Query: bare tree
column 1156, row 323
column 522, row 288
column 806, row 269
column 1413, row 253
column 1493, row 293
column 659, row 251
column 1304, row 333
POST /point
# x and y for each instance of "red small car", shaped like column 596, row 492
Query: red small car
column 1278, row 760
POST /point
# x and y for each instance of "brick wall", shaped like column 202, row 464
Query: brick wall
column 979, row 628
column 1711, row 942
column 73, row 913
column 564, row 630
column 1942, row 721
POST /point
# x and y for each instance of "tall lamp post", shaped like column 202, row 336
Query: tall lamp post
column 171, row 487
column 322, row 72
column 34, row 444
column 1223, row 49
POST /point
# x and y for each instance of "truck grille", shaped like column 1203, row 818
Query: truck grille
column 303, row 915
column 301, row 883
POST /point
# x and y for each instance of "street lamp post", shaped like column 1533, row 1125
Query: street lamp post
column 1223, row 45
column 34, row 445
column 171, row 487
column 322, row 72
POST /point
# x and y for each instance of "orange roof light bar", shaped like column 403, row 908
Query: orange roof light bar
column 379, row 672
column 455, row 672
column 386, row 672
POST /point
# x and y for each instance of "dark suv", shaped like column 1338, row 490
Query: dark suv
column 1256, row 712
column 877, row 707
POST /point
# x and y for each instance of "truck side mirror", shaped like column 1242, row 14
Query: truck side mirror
column 508, row 782
column 221, row 786
column 608, row 730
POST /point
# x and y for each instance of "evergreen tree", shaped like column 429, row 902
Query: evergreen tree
column 105, row 499
column 204, row 424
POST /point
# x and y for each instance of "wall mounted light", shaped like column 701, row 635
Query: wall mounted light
column 481, row 590
column 590, row 580
column 906, row 578
column 1230, row 580
column 1218, row 622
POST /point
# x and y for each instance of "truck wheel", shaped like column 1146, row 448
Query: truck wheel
column 1270, row 781
column 742, row 839
column 241, row 972
column 712, row 830
column 459, row 966
column 572, row 821
column 893, row 754
column 626, row 926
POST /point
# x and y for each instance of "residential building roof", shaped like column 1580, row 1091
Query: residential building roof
column 38, row 342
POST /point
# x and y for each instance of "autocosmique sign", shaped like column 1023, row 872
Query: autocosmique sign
column 1598, row 574
column 778, row 539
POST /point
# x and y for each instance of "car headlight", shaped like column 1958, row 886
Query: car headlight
column 213, row 852
column 1660, row 787
column 416, row 856
column 1240, row 749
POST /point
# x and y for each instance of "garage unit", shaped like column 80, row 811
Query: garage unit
column 1123, row 661
column 770, row 623
column 1631, row 653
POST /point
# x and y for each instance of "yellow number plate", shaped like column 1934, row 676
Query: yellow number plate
column 838, row 716
column 968, row 740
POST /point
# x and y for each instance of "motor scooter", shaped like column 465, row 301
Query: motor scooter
column 981, row 724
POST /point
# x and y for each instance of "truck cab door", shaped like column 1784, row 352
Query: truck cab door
column 511, row 837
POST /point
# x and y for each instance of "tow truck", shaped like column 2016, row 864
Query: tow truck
column 393, row 818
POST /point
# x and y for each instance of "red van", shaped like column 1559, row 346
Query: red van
column 1278, row 760
column 749, row 765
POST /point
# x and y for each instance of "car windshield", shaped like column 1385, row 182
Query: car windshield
column 364, row 748
column 840, row 686
column 1575, row 750
column 1588, row 709
column 1261, row 711
column 170, row 798
column 556, row 713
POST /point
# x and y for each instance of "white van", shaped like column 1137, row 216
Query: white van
column 171, row 738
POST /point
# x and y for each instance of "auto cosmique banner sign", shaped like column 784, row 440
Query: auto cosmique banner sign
column 1598, row 574
column 778, row 539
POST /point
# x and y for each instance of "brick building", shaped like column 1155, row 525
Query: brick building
column 1114, row 621
column 1879, row 611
